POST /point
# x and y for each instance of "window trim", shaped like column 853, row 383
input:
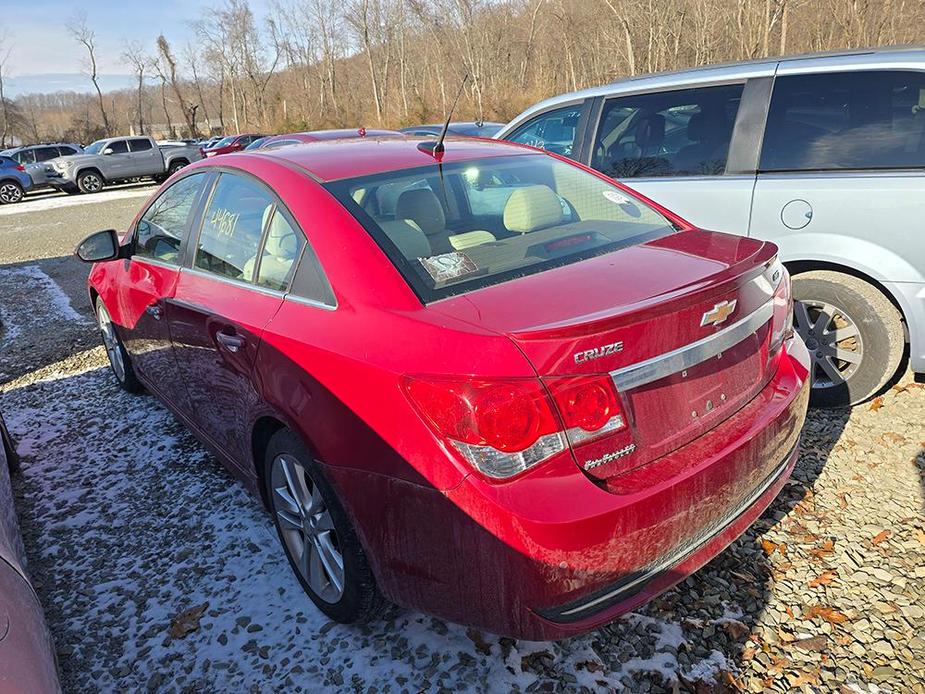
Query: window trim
column 605, row 99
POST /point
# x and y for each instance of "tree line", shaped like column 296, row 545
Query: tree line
column 311, row 64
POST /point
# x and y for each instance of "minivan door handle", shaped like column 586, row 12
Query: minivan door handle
column 230, row 342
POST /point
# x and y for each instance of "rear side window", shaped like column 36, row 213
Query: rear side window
column 232, row 226
column 852, row 120
column 281, row 250
column 677, row 133
column 553, row 131
column 141, row 144
column 26, row 156
column 471, row 224
column 160, row 231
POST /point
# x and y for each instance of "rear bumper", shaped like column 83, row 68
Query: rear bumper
column 553, row 554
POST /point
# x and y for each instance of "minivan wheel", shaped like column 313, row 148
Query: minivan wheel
column 316, row 534
column 10, row 192
column 853, row 333
column 90, row 182
column 119, row 359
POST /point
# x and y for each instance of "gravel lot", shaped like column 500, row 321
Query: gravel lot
column 128, row 523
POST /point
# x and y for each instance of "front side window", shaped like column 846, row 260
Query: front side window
column 489, row 220
column 160, row 231
column 678, row 133
column 553, row 131
column 852, row 120
column 232, row 225
column 117, row 147
column 140, row 144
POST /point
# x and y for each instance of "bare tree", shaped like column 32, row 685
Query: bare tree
column 5, row 51
column 170, row 63
column 134, row 54
column 83, row 34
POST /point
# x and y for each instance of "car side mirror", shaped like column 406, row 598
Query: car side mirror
column 98, row 247
column 108, row 150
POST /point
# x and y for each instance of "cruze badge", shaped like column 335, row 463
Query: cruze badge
column 609, row 457
column 598, row 352
column 719, row 313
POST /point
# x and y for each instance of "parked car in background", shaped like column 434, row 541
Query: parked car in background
column 822, row 154
column 115, row 160
column 256, row 143
column 27, row 655
column 15, row 182
column 323, row 135
column 531, row 418
column 232, row 143
column 33, row 157
column 476, row 129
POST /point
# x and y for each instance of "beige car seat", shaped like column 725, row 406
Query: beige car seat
column 532, row 208
column 280, row 252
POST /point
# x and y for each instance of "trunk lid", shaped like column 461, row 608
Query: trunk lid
column 682, row 324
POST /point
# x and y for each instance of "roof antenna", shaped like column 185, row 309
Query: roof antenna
column 435, row 149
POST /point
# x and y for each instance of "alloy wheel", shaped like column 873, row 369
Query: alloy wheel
column 307, row 528
column 10, row 193
column 92, row 183
column 833, row 340
column 111, row 342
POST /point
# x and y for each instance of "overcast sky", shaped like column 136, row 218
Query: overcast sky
column 41, row 45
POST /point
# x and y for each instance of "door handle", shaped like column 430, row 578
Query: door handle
column 155, row 311
column 230, row 342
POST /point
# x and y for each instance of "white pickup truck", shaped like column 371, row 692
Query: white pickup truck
column 118, row 159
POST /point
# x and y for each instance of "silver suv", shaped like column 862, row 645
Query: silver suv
column 822, row 154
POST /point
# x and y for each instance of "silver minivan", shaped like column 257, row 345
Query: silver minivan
column 822, row 154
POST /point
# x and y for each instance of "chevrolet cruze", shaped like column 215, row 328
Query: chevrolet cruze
column 484, row 382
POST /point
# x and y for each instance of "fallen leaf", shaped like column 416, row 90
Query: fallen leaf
column 784, row 636
column 481, row 645
column 891, row 437
column 899, row 389
column 798, row 679
column 824, row 550
column 735, row 628
column 880, row 537
column 778, row 663
column 590, row 666
column 187, row 621
column 829, row 614
column 876, row 403
column 768, row 547
column 823, row 579
column 749, row 654
column 813, row 643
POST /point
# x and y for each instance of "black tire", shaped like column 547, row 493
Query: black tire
column 120, row 363
column 90, row 182
column 71, row 190
column 360, row 600
column 11, row 192
column 873, row 336
column 176, row 166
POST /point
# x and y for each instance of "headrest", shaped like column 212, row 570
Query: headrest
column 407, row 238
column 424, row 208
column 650, row 131
column 281, row 240
column 532, row 208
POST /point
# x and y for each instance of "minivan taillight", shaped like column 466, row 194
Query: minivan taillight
column 503, row 427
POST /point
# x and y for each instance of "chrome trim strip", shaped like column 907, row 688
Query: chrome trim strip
column 685, row 550
column 663, row 365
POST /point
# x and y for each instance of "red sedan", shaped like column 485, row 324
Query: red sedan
column 232, row 143
column 486, row 383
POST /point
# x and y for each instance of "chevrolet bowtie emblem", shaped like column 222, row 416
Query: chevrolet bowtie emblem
column 719, row 313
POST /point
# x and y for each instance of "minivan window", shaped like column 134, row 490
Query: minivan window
column 678, row 133
column 553, row 131
column 232, row 225
column 514, row 216
column 160, row 230
column 852, row 120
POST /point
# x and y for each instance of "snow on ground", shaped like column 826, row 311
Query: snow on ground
column 129, row 521
column 54, row 202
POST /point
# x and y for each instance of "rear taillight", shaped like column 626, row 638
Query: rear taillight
column 20, row 167
column 505, row 426
column 782, row 322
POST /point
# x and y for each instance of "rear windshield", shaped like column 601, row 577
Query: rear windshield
column 491, row 220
